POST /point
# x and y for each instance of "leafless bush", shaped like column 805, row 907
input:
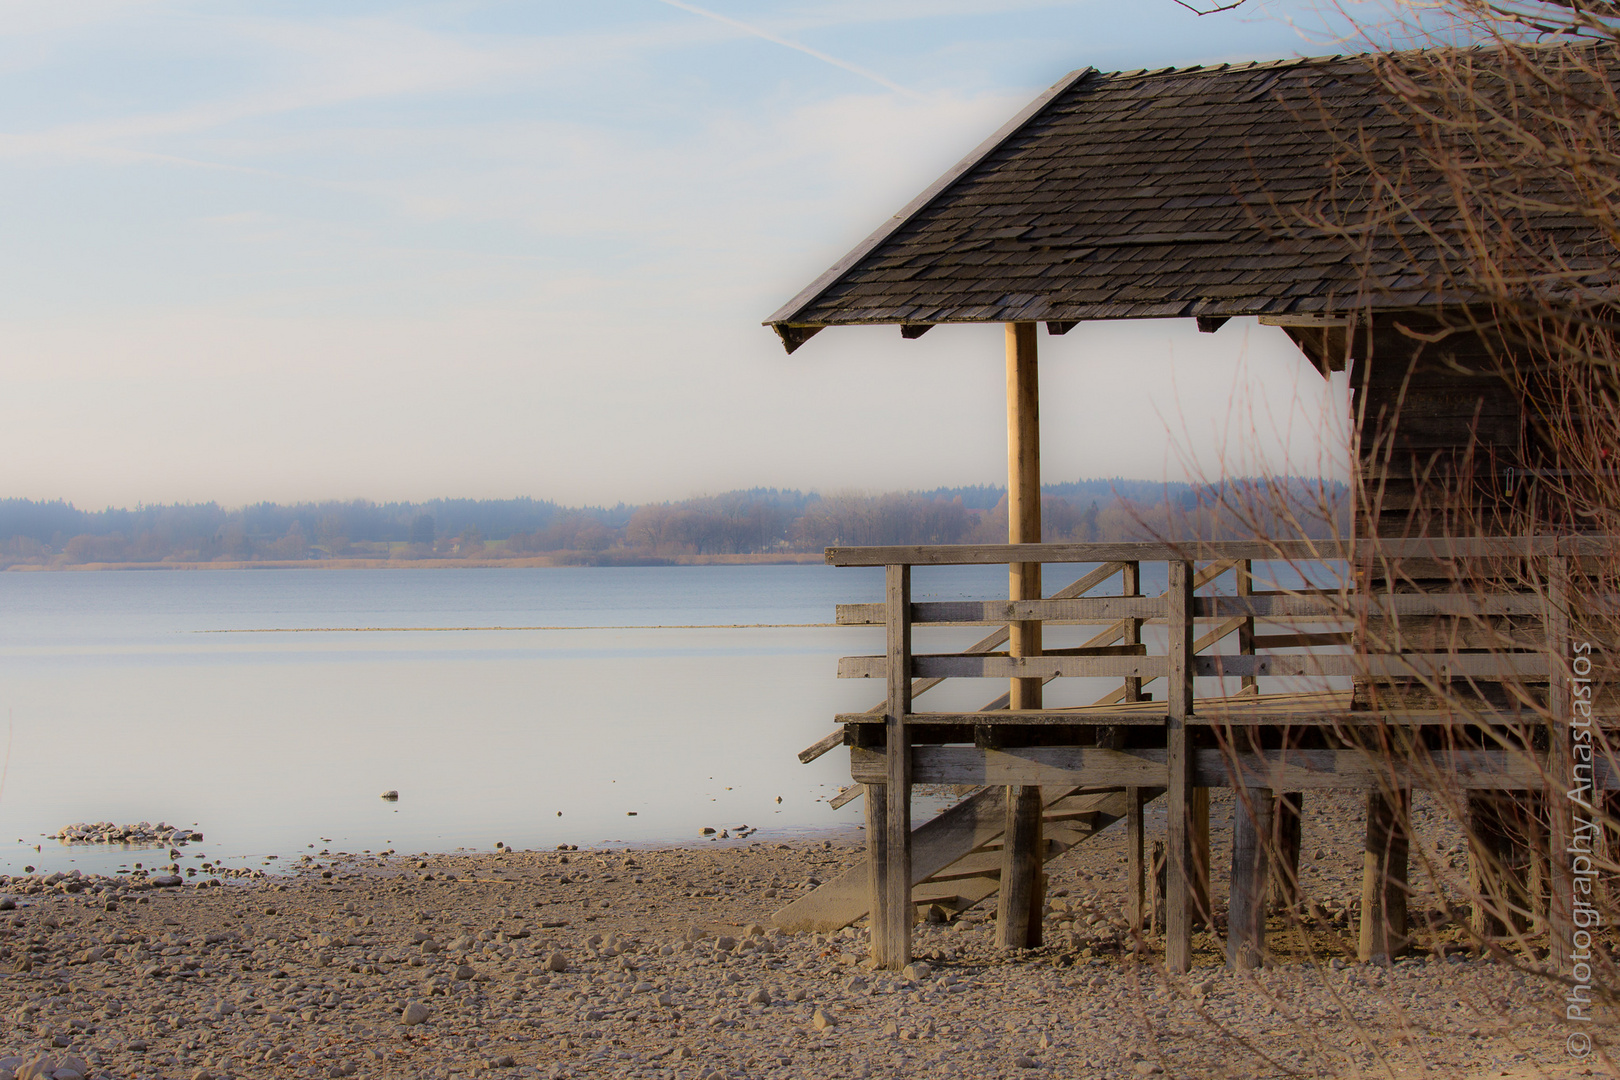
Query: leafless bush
column 1488, row 234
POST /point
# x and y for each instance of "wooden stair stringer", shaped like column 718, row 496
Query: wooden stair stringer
column 955, row 858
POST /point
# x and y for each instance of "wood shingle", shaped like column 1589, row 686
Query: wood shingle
column 1168, row 193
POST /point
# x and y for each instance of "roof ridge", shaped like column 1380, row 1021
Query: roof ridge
column 1302, row 61
column 1227, row 66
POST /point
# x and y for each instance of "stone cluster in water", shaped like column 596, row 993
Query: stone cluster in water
column 105, row 832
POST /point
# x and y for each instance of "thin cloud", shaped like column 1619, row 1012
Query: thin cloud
column 795, row 46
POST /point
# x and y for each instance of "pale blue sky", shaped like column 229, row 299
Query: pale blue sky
column 300, row 250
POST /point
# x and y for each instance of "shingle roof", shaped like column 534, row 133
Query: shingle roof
column 1135, row 195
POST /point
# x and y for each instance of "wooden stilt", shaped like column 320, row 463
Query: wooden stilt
column 1498, row 863
column 1562, row 843
column 1198, row 841
column 1131, row 629
column 1288, row 811
column 1245, row 587
column 1486, row 849
column 1018, row 926
column 1538, row 873
column 1178, row 794
column 1158, row 880
column 1198, row 829
column 1246, row 914
column 1607, row 826
column 1023, row 497
column 896, row 916
column 1136, row 898
column 1017, row 917
column 1383, row 877
column 877, row 865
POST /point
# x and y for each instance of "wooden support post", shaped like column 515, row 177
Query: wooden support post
column 1538, row 835
column 1246, row 913
column 1136, row 895
column 1245, row 587
column 1160, row 888
column 1609, row 845
column 1198, row 841
column 877, row 867
column 1023, row 497
column 1562, row 845
column 1178, row 793
column 1131, row 629
column 1498, row 863
column 1018, row 918
column 1383, row 876
column 1135, row 834
column 1136, row 891
column 1287, row 820
column 896, row 916
column 1244, row 573
column 1482, row 822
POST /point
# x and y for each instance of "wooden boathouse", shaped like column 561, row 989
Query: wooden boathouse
column 1190, row 194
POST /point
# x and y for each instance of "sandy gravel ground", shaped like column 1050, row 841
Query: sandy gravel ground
column 661, row 963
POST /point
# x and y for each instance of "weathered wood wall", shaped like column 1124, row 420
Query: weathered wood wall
column 1438, row 420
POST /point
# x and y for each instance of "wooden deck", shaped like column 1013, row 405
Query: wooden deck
column 1443, row 685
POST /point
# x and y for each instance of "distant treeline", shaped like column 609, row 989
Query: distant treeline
column 759, row 522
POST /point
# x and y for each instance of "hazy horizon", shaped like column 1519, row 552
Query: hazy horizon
column 1049, row 485
column 766, row 522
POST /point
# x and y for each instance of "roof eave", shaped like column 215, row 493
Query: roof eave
column 794, row 336
column 783, row 321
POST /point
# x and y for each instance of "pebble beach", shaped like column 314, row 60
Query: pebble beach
column 663, row 962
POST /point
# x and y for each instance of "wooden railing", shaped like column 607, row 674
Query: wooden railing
column 1373, row 617
column 1499, row 606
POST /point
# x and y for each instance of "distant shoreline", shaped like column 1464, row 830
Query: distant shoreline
column 569, row 561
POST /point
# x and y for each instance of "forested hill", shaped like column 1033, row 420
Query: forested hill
column 758, row 522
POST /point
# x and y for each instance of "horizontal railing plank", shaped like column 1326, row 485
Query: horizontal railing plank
column 1082, row 610
column 1377, row 606
column 1216, row 716
column 1275, row 605
column 1379, row 666
column 1291, row 770
column 863, row 614
column 1029, row 717
column 1457, row 604
column 1444, row 633
column 969, row 554
column 999, row 636
column 1300, row 641
column 1496, row 666
column 1293, row 550
column 959, row 666
column 1032, row 765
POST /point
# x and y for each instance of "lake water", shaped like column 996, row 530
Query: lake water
column 533, row 707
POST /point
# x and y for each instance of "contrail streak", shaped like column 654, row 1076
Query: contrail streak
column 795, row 46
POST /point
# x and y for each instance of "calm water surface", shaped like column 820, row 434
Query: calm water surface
column 182, row 696
column 529, row 706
